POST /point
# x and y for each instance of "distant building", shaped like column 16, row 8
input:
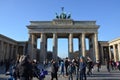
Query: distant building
column 114, row 49
column 11, row 49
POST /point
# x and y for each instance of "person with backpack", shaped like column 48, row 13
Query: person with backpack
column 70, row 71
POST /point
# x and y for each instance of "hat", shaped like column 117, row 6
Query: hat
column 34, row 61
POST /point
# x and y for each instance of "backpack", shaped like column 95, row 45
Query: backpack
column 70, row 68
column 56, row 67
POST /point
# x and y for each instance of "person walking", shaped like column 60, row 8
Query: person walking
column 108, row 65
column 82, row 68
column 62, row 68
column 70, row 71
column 89, row 66
column 66, row 66
column 98, row 65
column 54, row 70
column 25, row 68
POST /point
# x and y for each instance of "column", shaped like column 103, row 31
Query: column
column 91, row 47
column 42, row 48
column 29, row 50
column 119, row 51
column 79, row 46
column 12, row 48
column 16, row 52
column 32, row 46
column 114, row 52
column 102, row 55
column 83, row 45
column 96, row 46
column 0, row 50
column 70, row 46
column 110, row 55
column 45, row 47
column 55, row 46
column 8, row 51
column 5, row 50
column 24, row 50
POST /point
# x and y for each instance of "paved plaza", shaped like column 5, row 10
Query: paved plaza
column 102, row 75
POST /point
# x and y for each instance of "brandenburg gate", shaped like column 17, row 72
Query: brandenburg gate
column 63, row 27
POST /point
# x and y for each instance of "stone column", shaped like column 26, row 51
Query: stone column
column 102, row 55
column 79, row 46
column 83, row 45
column 5, row 50
column 45, row 47
column 8, row 51
column 12, row 48
column 16, row 52
column 55, row 46
column 96, row 46
column 29, row 50
column 24, row 50
column 114, row 52
column 32, row 46
column 70, row 46
column 110, row 55
column 2, row 50
column 42, row 48
column 91, row 47
column 119, row 51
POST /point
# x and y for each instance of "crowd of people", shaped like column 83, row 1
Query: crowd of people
column 80, row 67
column 25, row 68
column 68, row 68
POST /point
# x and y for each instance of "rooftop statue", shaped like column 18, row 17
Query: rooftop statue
column 57, row 16
column 69, row 16
column 63, row 15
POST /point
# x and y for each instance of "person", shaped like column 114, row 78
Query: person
column 25, row 68
column 98, row 65
column 89, row 66
column 77, row 68
column 35, row 68
column 66, row 65
column 7, row 65
column 70, row 71
column 108, row 66
column 62, row 68
column 54, row 70
column 82, row 68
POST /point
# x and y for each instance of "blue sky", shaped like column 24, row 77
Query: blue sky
column 16, row 14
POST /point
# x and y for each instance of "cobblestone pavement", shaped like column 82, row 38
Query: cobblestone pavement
column 102, row 75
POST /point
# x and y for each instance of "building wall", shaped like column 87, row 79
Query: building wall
column 10, row 49
column 114, row 49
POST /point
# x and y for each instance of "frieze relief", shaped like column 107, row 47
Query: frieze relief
column 62, row 22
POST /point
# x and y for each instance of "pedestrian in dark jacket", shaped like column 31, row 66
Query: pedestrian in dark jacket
column 66, row 66
column 70, row 71
column 82, row 69
column 89, row 66
column 25, row 69
column 54, row 70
